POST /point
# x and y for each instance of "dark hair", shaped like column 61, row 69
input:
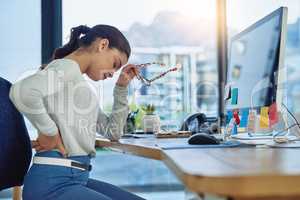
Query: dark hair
column 115, row 37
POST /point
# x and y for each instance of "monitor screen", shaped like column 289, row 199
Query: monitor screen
column 253, row 63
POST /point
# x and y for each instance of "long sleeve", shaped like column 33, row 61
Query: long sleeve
column 112, row 126
column 28, row 94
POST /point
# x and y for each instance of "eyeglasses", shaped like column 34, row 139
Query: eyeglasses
column 147, row 81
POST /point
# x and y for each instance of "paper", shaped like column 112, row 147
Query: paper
column 234, row 96
column 244, row 118
column 264, row 117
column 273, row 114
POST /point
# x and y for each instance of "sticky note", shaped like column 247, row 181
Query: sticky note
column 244, row 118
column 236, row 117
column 264, row 117
column 251, row 121
column 234, row 96
column 273, row 114
column 229, row 116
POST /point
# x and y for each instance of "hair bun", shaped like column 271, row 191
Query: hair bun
column 82, row 29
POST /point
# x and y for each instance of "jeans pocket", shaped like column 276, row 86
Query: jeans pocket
column 80, row 176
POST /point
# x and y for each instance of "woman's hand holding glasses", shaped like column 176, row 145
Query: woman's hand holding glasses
column 127, row 74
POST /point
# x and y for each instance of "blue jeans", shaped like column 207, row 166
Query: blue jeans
column 63, row 183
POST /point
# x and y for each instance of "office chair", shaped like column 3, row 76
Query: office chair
column 15, row 146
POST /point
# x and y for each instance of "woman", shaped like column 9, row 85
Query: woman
column 59, row 103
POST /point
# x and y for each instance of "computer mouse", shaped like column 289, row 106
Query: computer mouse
column 203, row 138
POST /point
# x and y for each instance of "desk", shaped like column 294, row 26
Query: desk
column 238, row 173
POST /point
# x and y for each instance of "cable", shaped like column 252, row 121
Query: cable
column 285, row 140
column 291, row 114
column 284, row 130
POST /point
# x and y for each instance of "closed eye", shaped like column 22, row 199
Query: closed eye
column 117, row 64
column 120, row 63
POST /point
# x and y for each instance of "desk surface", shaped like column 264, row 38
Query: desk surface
column 236, row 172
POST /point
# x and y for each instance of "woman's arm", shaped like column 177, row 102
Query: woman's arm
column 111, row 126
column 28, row 96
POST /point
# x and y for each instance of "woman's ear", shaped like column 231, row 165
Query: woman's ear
column 103, row 44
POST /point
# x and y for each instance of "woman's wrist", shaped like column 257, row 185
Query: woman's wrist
column 121, row 84
column 123, row 81
column 127, row 74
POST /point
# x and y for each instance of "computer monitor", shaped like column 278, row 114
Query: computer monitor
column 255, row 64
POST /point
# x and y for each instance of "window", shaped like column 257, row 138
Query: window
column 163, row 31
column 20, row 38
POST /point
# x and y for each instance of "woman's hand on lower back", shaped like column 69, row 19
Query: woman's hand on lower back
column 127, row 74
column 46, row 143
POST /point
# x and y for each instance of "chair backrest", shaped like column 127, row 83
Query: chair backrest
column 15, row 146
